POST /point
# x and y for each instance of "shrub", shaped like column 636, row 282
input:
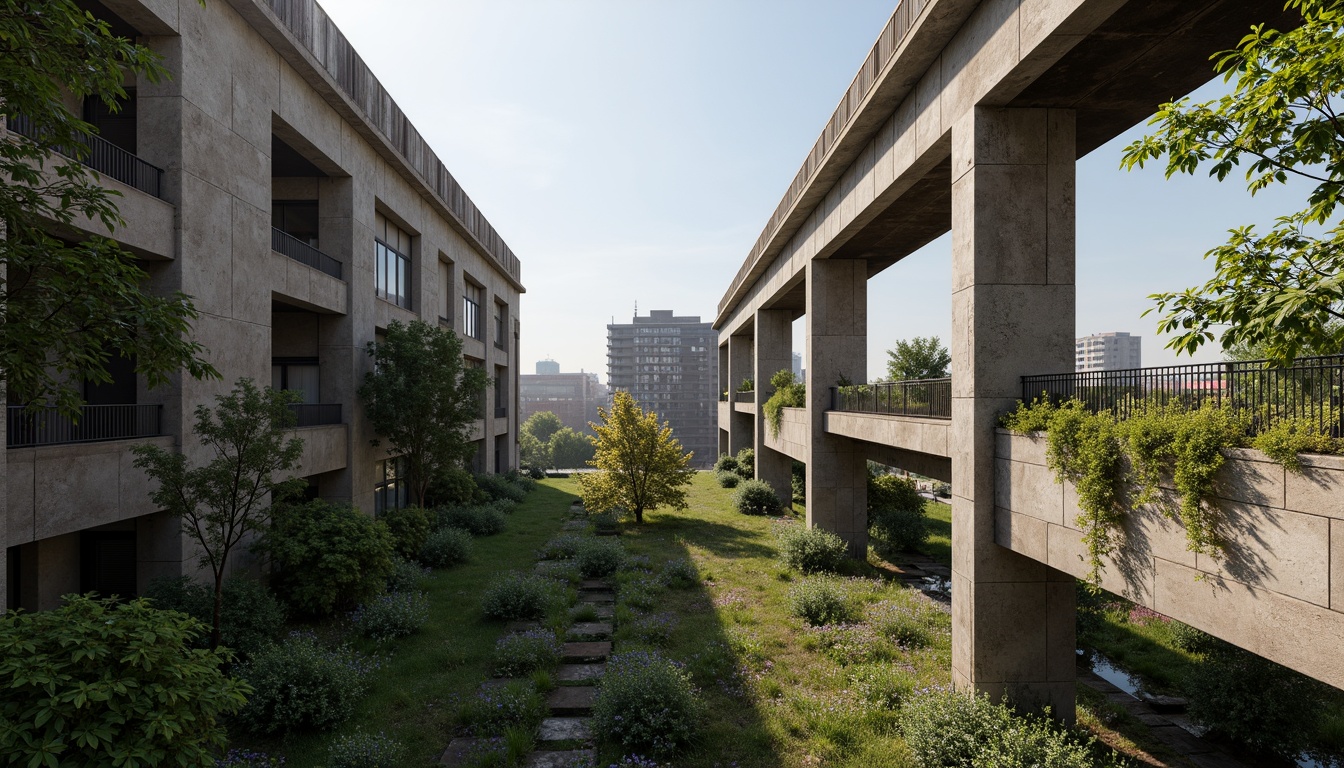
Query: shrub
column 409, row 527
column 536, row 473
column 746, row 463
column 1285, row 438
column 902, row 529
column 641, row 593
column 811, row 550
column 1187, row 638
column 505, row 506
column 726, row 463
column 501, row 487
column 561, row 546
column 246, row 758
column 605, row 522
column 651, row 628
column 560, row 570
column 727, row 479
column 365, row 750
column 298, row 683
column 599, row 557
column 249, row 619
column 327, row 556
column 392, row 615
column 945, row 729
column 454, row 488
column 131, row 685
column 646, row 702
column 405, row 576
column 446, row 547
column 1251, row 700
column 522, row 653
column 885, row 685
column 756, row 497
column 478, row 521
column 821, row 600
column 513, row 596
column 913, row 624
column 491, row 711
column 798, row 482
column 679, row 574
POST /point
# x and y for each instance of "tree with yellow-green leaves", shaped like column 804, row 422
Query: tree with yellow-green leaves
column 642, row 466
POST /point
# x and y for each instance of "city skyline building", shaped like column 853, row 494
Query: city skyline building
column 1110, row 351
column 669, row 364
column 573, row 397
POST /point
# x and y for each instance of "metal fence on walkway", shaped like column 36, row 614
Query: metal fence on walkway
column 286, row 244
column 48, row 426
column 102, row 156
column 930, row 398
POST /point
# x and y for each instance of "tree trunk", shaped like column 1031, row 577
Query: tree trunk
column 219, row 605
column 639, row 515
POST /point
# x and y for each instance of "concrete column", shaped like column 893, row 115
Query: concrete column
column 1012, row 314
column 837, row 327
column 774, row 352
column 741, row 431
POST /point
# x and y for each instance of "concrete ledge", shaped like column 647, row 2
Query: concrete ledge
column 745, row 407
column 148, row 228
column 300, row 284
column 1270, row 592
column 59, row 489
column 725, row 413
column 910, row 433
column 792, row 440
column 325, row 448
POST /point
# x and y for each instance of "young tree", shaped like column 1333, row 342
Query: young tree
column 422, row 398
column 542, row 425
column 534, row 438
column 569, row 448
column 1280, row 291
column 70, row 308
column 918, row 358
column 642, row 466
column 225, row 500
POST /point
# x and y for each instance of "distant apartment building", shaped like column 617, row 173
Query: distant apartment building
column 273, row 179
column 798, row 366
column 1114, row 351
column 574, row 397
column 669, row 364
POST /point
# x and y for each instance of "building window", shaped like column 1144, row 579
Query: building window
column 296, row 374
column 296, row 218
column 392, row 262
column 471, row 310
column 446, row 288
column 501, row 325
column 390, row 488
column 501, row 392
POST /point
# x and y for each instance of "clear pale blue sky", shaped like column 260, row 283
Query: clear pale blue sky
column 631, row 151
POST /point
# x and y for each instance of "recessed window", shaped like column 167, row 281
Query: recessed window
column 390, row 489
column 472, row 295
column 392, row 262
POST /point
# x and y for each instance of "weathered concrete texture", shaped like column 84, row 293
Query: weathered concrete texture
column 586, row 653
column 568, row 700
column 565, row 729
column 909, row 433
column 570, row 673
column 1012, row 280
column 792, row 440
column 1270, row 592
column 774, row 353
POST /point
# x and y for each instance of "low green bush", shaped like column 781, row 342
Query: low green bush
column 639, row 593
column 327, row 556
column 409, row 526
column 522, row 653
column 94, row 679
column 821, row 600
column 392, row 615
column 298, row 684
column 946, row 729
column 605, row 522
column 896, row 512
column 365, row 750
column 798, row 482
column 811, row 550
column 756, row 497
column 562, row 546
column 884, row 684
column 481, row 520
column 492, row 711
column 726, row 463
column 560, row 570
column 1253, row 701
column 599, row 557
column 454, row 487
column 502, row 487
column 405, row 576
column 1187, row 638
column 746, row 463
column 514, row 596
column 649, row 628
column 727, row 479
column 646, row 704
column 910, row 622
column 250, row 617
column 679, row 573
column 446, row 547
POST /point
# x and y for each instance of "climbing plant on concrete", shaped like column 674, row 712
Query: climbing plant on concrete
column 789, row 393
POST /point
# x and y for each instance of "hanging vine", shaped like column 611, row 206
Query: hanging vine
column 789, row 393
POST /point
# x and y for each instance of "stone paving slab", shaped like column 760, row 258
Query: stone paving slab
column 459, row 752
column 563, row 759
column 565, row 729
column 587, row 652
column 568, row 700
column 594, row 596
column 592, row 629
column 604, row 611
column 569, row 673
column 594, row 584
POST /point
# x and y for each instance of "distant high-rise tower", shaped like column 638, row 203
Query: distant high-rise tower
column 669, row 364
column 574, row 397
column 1114, row 351
column 798, row 365
column 547, row 366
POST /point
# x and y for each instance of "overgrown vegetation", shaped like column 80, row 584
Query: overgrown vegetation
column 788, row 392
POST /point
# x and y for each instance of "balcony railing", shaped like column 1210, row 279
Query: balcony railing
column 1311, row 388
column 102, row 156
column 47, row 426
column 316, row 414
column 930, row 398
column 287, row 245
column 748, row 396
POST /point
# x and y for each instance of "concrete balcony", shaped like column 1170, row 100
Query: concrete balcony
column 725, row 412
column 792, row 440
column 325, row 448
column 307, row 287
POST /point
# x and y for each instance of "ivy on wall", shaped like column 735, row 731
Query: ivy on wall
column 789, row 393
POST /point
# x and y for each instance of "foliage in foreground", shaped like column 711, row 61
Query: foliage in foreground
column 391, row 615
column 642, row 466
column 365, row 750
column 646, row 703
column 327, row 556
column 300, row 684
column 250, row 617
column 95, row 682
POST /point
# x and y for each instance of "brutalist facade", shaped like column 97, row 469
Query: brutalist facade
column 669, row 364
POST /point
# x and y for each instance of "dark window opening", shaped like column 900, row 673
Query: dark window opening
column 296, row 218
column 107, row 563
column 115, row 127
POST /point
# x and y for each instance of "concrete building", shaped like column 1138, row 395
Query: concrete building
column 969, row 116
column 1114, row 351
column 274, row 180
column 547, row 366
column 668, row 364
column 574, row 397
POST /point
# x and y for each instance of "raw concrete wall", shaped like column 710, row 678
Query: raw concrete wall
column 792, row 440
column 1279, row 589
column 908, row 433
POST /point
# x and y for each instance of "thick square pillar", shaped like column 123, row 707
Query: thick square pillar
column 774, row 353
column 837, row 328
column 1012, row 314
column 741, row 432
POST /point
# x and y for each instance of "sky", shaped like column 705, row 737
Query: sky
column 631, row 151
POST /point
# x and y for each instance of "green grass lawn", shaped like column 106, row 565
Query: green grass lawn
column 412, row 696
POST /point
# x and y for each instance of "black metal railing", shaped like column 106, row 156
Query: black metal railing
column 930, row 398
column 749, row 396
column 48, row 426
column 288, row 245
column 102, row 156
column 1310, row 388
column 316, row 414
